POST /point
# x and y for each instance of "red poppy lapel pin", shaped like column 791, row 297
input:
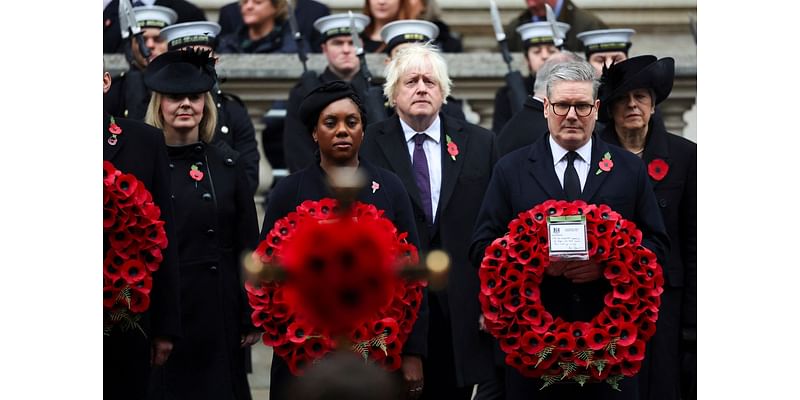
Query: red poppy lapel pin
column 452, row 148
column 657, row 169
column 196, row 174
column 115, row 130
column 375, row 186
column 605, row 164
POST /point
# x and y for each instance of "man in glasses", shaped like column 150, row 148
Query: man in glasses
column 567, row 166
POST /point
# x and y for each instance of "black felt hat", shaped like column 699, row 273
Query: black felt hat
column 319, row 98
column 641, row 72
column 185, row 71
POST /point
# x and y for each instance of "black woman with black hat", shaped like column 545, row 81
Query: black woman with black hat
column 629, row 93
column 216, row 222
column 335, row 116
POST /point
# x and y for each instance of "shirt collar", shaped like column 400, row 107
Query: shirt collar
column 559, row 152
column 433, row 131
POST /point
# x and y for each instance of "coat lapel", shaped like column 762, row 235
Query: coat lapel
column 392, row 143
column 593, row 180
column 656, row 145
column 451, row 169
column 541, row 168
column 110, row 151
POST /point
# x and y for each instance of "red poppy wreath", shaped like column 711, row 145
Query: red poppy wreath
column 341, row 286
column 136, row 238
column 609, row 347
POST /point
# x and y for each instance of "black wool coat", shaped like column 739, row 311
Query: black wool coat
column 216, row 221
column 391, row 197
column 676, row 194
column 235, row 128
column 503, row 111
column 524, row 128
column 140, row 150
column 464, row 182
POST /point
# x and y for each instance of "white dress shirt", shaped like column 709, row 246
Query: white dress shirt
column 581, row 162
column 433, row 153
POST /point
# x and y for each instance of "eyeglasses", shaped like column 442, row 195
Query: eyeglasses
column 562, row 109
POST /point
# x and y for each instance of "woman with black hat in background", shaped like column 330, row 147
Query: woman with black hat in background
column 629, row 93
column 334, row 114
column 216, row 222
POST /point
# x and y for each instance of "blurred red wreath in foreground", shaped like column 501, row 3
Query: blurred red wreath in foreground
column 607, row 348
column 136, row 237
column 341, row 282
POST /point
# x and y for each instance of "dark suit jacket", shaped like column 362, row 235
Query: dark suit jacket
column 235, row 128
column 525, row 178
column 578, row 20
column 140, row 150
column 463, row 183
column 112, row 37
column 306, row 12
column 503, row 111
column 524, row 128
column 310, row 184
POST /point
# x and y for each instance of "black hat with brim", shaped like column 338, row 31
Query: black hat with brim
column 185, row 71
column 319, row 98
column 641, row 72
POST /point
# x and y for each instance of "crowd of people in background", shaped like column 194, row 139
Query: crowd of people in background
column 194, row 147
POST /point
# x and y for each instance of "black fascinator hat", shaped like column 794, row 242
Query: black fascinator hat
column 319, row 98
column 185, row 71
column 641, row 72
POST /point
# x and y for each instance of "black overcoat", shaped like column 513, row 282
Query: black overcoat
column 391, row 197
column 526, row 177
column 676, row 194
column 463, row 183
column 503, row 111
column 140, row 150
column 524, row 128
column 216, row 221
column 235, row 128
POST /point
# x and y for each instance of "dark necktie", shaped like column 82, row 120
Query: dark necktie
column 572, row 185
column 422, row 177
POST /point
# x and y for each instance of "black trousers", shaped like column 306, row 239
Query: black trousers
column 439, row 367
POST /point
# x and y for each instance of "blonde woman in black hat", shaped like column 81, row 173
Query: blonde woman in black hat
column 216, row 222
column 336, row 118
column 630, row 92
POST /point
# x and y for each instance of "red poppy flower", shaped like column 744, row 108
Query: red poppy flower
column 386, row 326
column 452, row 149
column 153, row 258
column 606, row 165
column 114, row 129
column 623, row 291
column 646, row 328
column 597, row 338
column 630, row 368
column 580, row 331
column 260, row 317
column 132, row 271
column 110, row 269
column 565, row 341
column 657, row 169
column 627, row 333
column 143, row 286
column 109, row 173
column 298, row 331
column 126, row 185
column 139, row 301
column 616, row 271
column 195, row 173
column 110, row 295
column 531, row 343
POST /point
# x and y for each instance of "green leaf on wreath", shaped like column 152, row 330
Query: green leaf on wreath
column 581, row 379
column 548, row 380
column 568, row 367
column 543, row 354
column 362, row 349
column 614, row 381
column 612, row 347
column 600, row 365
column 585, row 355
column 380, row 342
column 125, row 294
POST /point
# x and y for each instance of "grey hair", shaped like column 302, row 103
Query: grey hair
column 540, row 85
column 573, row 71
column 412, row 57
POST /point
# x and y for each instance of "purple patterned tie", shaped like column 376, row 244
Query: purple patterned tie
column 422, row 176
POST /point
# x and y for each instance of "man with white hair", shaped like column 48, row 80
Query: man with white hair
column 445, row 164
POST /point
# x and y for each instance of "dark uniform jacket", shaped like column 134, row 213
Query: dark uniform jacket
column 676, row 194
column 235, row 128
column 306, row 12
column 391, row 197
column 140, row 150
column 216, row 221
column 128, row 96
column 526, row 177
column 502, row 104
column 463, row 183
column 112, row 37
column 524, row 128
column 578, row 20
